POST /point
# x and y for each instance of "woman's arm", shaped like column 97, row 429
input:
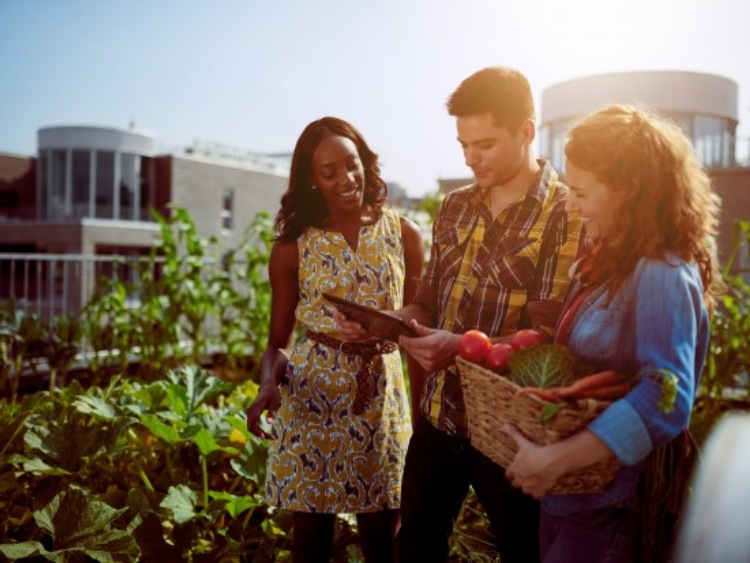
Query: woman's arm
column 536, row 469
column 283, row 271
column 671, row 325
column 672, row 330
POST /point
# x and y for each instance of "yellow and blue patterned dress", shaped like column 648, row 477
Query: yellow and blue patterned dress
column 325, row 458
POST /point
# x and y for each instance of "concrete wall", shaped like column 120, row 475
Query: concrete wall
column 199, row 186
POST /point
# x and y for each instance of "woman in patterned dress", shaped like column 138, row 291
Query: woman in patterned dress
column 329, row 455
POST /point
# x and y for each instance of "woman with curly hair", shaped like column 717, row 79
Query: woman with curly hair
column 640, row 306
column 340, row 410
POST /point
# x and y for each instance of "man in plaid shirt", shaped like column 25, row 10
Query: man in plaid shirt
column 501, row 250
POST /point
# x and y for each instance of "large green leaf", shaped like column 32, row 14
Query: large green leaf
column 207, row 444
column 16, row 551
column 79, row 522
column 251, row 463
column 169, row 434
column 96, row 406
column 194, row 386
column 181, row 500
column 70, row 438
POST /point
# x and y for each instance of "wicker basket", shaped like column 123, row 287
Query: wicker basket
column 491, row 401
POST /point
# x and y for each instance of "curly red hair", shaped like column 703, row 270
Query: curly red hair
column 668, row 202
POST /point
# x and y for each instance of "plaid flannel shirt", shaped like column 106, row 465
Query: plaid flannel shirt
column 495, row 276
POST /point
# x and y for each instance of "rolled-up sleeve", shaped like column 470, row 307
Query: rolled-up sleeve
column 669, row 319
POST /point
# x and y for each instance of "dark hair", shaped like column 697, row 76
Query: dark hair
column 301, row 205
column 503, row 92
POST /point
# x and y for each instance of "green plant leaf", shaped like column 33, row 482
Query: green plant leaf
column 163, row 431
column 207, row 444
column 96, row 406
column 181, row 500
column 549, row 410
column 235, row 505
column 17, row 551
column 251, row 463
column 81, row 523
column 36, row 465
column 68, row 440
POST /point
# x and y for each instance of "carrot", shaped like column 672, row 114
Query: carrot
column 606, row 393
column 590, row 383
column 544, row 394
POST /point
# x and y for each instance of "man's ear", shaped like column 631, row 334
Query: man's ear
column 528, row 130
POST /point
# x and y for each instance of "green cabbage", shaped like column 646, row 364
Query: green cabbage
column 544, row 366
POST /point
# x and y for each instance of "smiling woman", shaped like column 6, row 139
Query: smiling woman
column 339, row 408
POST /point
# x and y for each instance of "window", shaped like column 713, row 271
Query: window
column 227, row 212
column 129, row 173
column 57, row 174
column 81, row 183
column 105, row 183
column 146, row 192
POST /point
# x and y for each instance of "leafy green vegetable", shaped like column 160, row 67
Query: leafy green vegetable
column 543, row 366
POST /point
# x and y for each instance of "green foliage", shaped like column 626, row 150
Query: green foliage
column 194, row 301
column 136, row 471
column 725, row 383
column 158, row 463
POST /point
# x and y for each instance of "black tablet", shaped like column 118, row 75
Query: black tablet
column 380, row 324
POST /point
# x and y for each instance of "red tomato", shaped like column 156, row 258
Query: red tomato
column 497, row 359
column 474, row 346
column 526, row 338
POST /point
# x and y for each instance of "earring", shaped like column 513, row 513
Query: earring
column 313, row 187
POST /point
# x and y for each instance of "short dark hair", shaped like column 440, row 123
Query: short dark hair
column 503, row 92
column 303, row 206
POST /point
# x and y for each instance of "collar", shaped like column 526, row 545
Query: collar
column 545, row 178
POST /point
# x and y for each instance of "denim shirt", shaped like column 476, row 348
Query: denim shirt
column 656, row 321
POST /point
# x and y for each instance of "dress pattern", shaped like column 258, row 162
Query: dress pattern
column 324, row 458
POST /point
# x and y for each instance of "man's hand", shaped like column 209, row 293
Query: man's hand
column 267, row 399
column 433, row 349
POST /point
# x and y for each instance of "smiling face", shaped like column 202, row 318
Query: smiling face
column 494, row 154
column 338, row 174
column 592, row 200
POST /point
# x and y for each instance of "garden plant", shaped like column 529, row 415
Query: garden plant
column 142, row 453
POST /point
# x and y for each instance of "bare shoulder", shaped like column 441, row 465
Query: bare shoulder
column 410, row 232
column 284, row 255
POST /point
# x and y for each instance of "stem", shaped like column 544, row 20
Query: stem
column 204, row 470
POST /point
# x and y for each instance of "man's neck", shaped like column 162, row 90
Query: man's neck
column 502, row 195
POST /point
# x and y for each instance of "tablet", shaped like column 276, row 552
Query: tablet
column 380, row 324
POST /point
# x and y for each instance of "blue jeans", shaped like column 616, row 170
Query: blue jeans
column 598, row 535
column 439, row 470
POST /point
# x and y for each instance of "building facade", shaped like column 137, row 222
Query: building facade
column 91, row 191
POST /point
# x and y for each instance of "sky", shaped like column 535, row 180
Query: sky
column 252, row 74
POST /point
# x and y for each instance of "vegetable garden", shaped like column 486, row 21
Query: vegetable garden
column 141, row 454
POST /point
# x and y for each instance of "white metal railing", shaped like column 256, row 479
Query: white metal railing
column 51, row 285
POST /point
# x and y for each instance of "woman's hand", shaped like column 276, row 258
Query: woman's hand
column 433, row 349
column 348, row 329
column 533, row 469
column 268, row 399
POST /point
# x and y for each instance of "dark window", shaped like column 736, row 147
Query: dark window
column 105, row 184
column 81, row 183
